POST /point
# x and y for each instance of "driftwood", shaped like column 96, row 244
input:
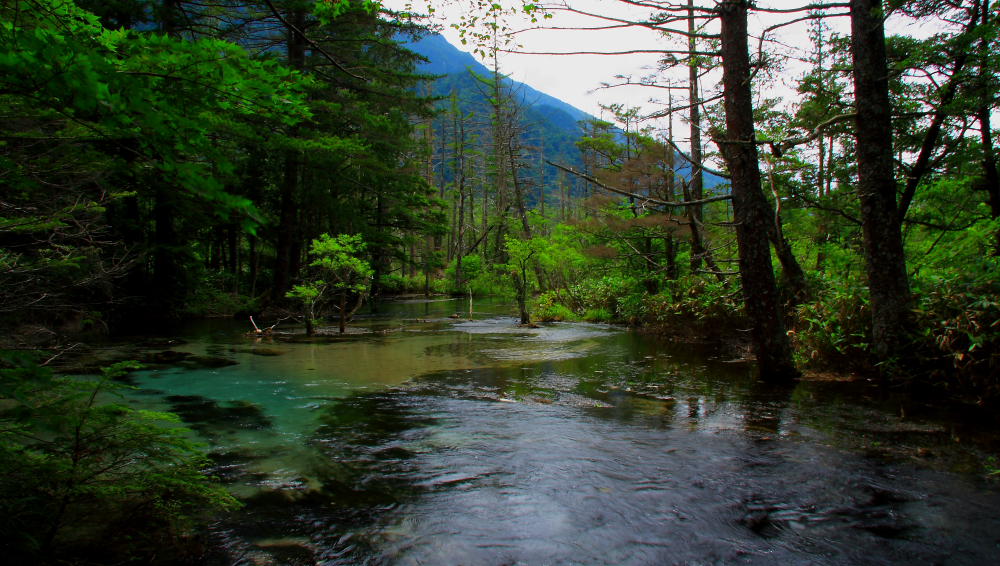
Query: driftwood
column 258, row 331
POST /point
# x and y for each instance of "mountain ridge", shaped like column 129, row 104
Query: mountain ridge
column 556, row 123
column 446, row 59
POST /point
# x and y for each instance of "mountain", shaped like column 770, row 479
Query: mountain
column 446, row 59
column 549, row 123
column 550, row 126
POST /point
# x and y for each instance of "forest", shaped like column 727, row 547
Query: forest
column 289, row 160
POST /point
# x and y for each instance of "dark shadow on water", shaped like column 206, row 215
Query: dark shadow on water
column 361, row 469
column 211, row 418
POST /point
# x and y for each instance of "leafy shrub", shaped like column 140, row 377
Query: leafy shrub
column 698, row 299
column 598, row 315
column 209, row 298
column 632, row 307
column 835, row 329
column 603, row 293
column 394, row 283
column 696, row 308
column 82, row 477
column 548, row 309
column 961, row 335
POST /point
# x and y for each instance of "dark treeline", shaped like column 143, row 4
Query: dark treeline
column 165, row 156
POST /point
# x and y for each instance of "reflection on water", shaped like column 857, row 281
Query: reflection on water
column 431, row 440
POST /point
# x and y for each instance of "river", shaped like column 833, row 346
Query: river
column 423, row 439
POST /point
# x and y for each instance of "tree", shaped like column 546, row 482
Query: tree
column 83, row 473
column 341, row 271
column 738, row 146
column 116, row 120
column 520, row 254
column 888, row 283
column 751, row 210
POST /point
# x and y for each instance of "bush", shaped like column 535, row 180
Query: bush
column 80, row 477
column 632, row 307
column 548, row 309
column 961, row 335
column 604, row 294
column 696, row 308
column 394, row 283
column 598, row 315
column 834, row 330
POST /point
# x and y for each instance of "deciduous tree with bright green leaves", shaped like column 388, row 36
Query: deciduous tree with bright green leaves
column 341, row 271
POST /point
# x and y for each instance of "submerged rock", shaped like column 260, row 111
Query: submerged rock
column 209, row 416
column 260, row 351
column 208, row 362
column 161, row 342
column 164, row 357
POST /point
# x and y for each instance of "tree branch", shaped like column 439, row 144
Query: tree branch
column 316, row 46
column 701, row 166
column 634, row 195
column 777, row 149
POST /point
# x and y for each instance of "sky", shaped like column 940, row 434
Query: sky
column 577, row 79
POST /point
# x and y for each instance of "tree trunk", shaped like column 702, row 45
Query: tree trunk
column 821, row 175
column 343, row 311
column 380, row 259
column 991, row 178
column 459, row 244
column 883, row 241
column 990, row 175
column 695, row 188
column 521, row 289
column 233, row 243
column 428, row 250
column 310, row 328
column 254, row 264
column 670, row 253
column 698, row 246
column 670, row 183
column 750, row 208
column 287, row 216
column 168, row 284
column 791, row 272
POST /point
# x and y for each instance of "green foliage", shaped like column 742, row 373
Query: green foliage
column 632, row 307
column 477, row 275
column 548, row 309
column 210, row 298
column 396, row 283
column 81, row 473
column 598, row 315
column 338, row 268
column 338, row 259
column 960, row 318
column 117, row 84
column 104, row 124
column 705, row 305
column 600, row 293
column 308, row 293
column 834, row 330
column 329, row 10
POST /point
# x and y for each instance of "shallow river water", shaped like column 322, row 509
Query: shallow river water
column 429, row 440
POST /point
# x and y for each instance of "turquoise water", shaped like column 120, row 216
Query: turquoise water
column 424, row 439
